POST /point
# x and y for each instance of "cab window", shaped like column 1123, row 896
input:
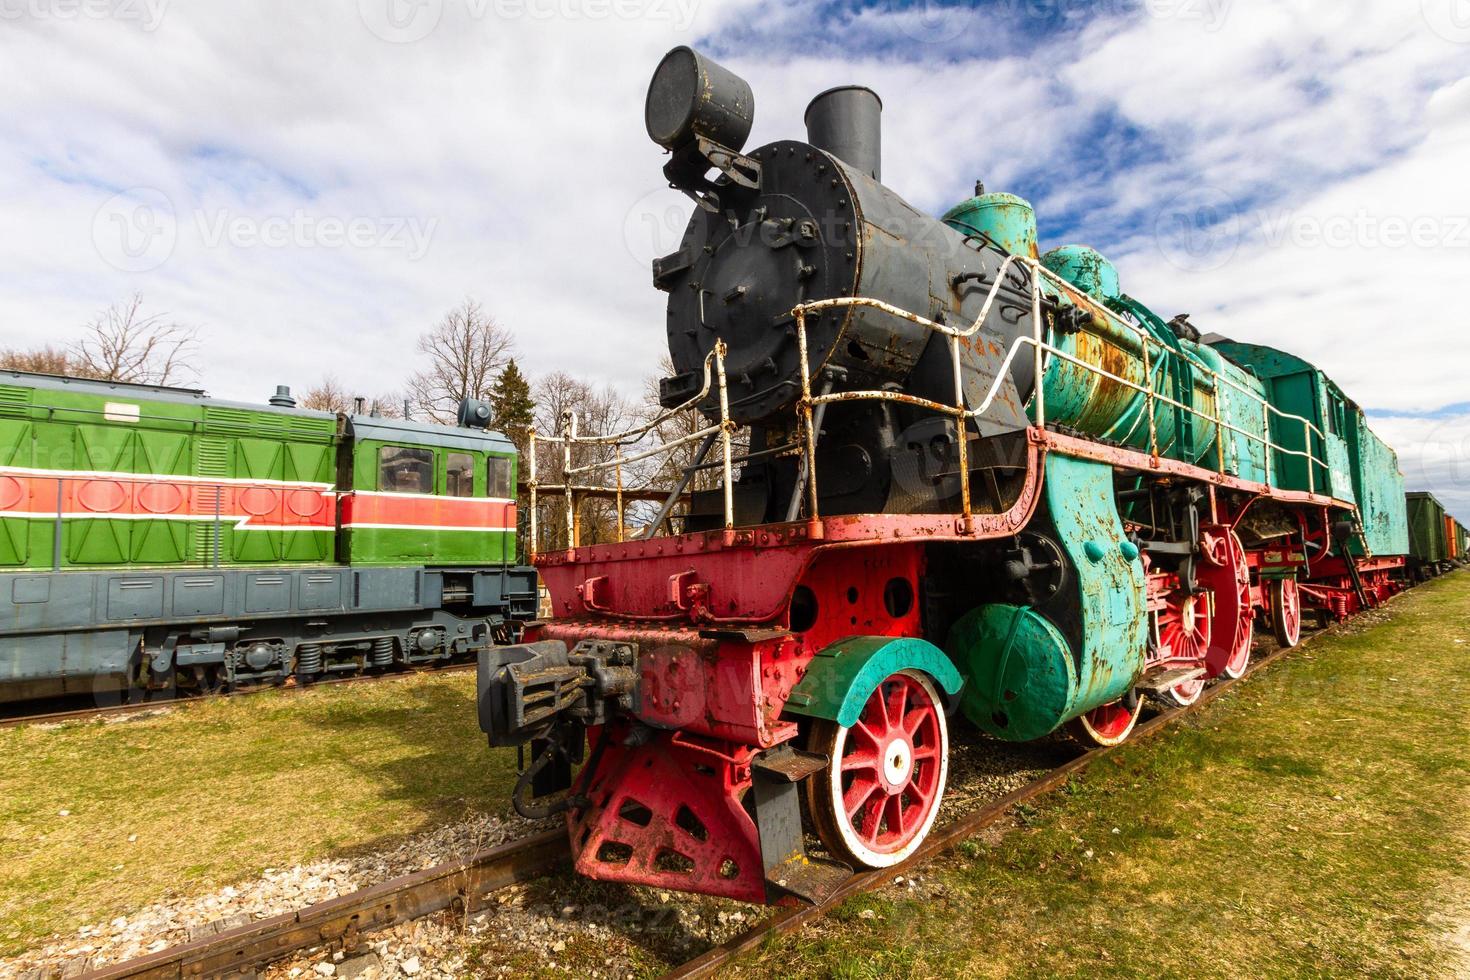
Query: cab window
column 459, row 475
column 402, row 469
column 499, row 482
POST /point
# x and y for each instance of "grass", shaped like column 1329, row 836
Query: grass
column 1316, row 822
column 217, row 791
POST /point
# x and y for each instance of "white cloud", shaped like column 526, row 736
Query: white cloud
column 516, row 144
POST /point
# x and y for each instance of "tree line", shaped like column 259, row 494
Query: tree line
column 468, row 353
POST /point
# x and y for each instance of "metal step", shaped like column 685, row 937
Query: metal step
column 1166, row 679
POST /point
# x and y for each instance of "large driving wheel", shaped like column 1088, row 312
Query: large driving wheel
column 1184, row 630
column 877, row 801
column 1286, row 612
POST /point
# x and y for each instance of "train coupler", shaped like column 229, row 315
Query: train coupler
column 523, row 691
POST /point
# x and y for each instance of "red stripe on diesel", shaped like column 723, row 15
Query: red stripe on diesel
column 252, row 505
column 403, row 510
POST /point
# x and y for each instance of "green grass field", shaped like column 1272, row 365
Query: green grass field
column 1316, row 822
column 217, row 791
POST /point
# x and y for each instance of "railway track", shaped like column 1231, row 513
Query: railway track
column 464, row 885
column 142, row 707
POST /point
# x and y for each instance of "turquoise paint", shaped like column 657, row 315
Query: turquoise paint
column 1004, row 219
column 1023, row 676
column 1083, row 399
column 1087, row 269
column 839, row 680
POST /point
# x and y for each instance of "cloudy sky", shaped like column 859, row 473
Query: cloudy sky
column 313, row 184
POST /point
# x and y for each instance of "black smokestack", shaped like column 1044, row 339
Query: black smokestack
column 847, row 122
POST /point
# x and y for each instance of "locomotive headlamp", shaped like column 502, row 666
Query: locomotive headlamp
column 692, row 97
column 474, row 414
column 702, row 113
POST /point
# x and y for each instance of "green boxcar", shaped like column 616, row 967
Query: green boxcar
column 1379, row 488
column 1427, row 544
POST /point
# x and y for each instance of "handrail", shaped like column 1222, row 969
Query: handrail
column 713, row 377
column 1042, row 352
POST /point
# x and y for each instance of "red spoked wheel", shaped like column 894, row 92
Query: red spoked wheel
column 1243, row 614
column 877, row 800
column 1184, row 631
column 1286, row 612
column 1108, row 724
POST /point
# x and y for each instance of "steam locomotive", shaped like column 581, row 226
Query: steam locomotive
column 970, row 475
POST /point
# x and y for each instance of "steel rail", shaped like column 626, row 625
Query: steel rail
column 139, row 707
column 461, row 885
column 790, row 919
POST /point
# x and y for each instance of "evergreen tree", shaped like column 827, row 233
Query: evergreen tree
column 510, row 400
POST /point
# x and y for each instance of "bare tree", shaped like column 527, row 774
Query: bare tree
column 124, row 344
column 599, row 411
column 327, row 396
column 465, row 351
column 330, row 395
column 40, row 360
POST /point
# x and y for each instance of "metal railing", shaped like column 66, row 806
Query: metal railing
column 632, row 438
column 1153, row 355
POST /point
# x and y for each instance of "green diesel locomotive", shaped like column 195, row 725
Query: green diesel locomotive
column 154, row 538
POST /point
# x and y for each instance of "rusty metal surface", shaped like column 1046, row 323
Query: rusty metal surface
column 751, row 571
column 1144, row 463
column 342, row 921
